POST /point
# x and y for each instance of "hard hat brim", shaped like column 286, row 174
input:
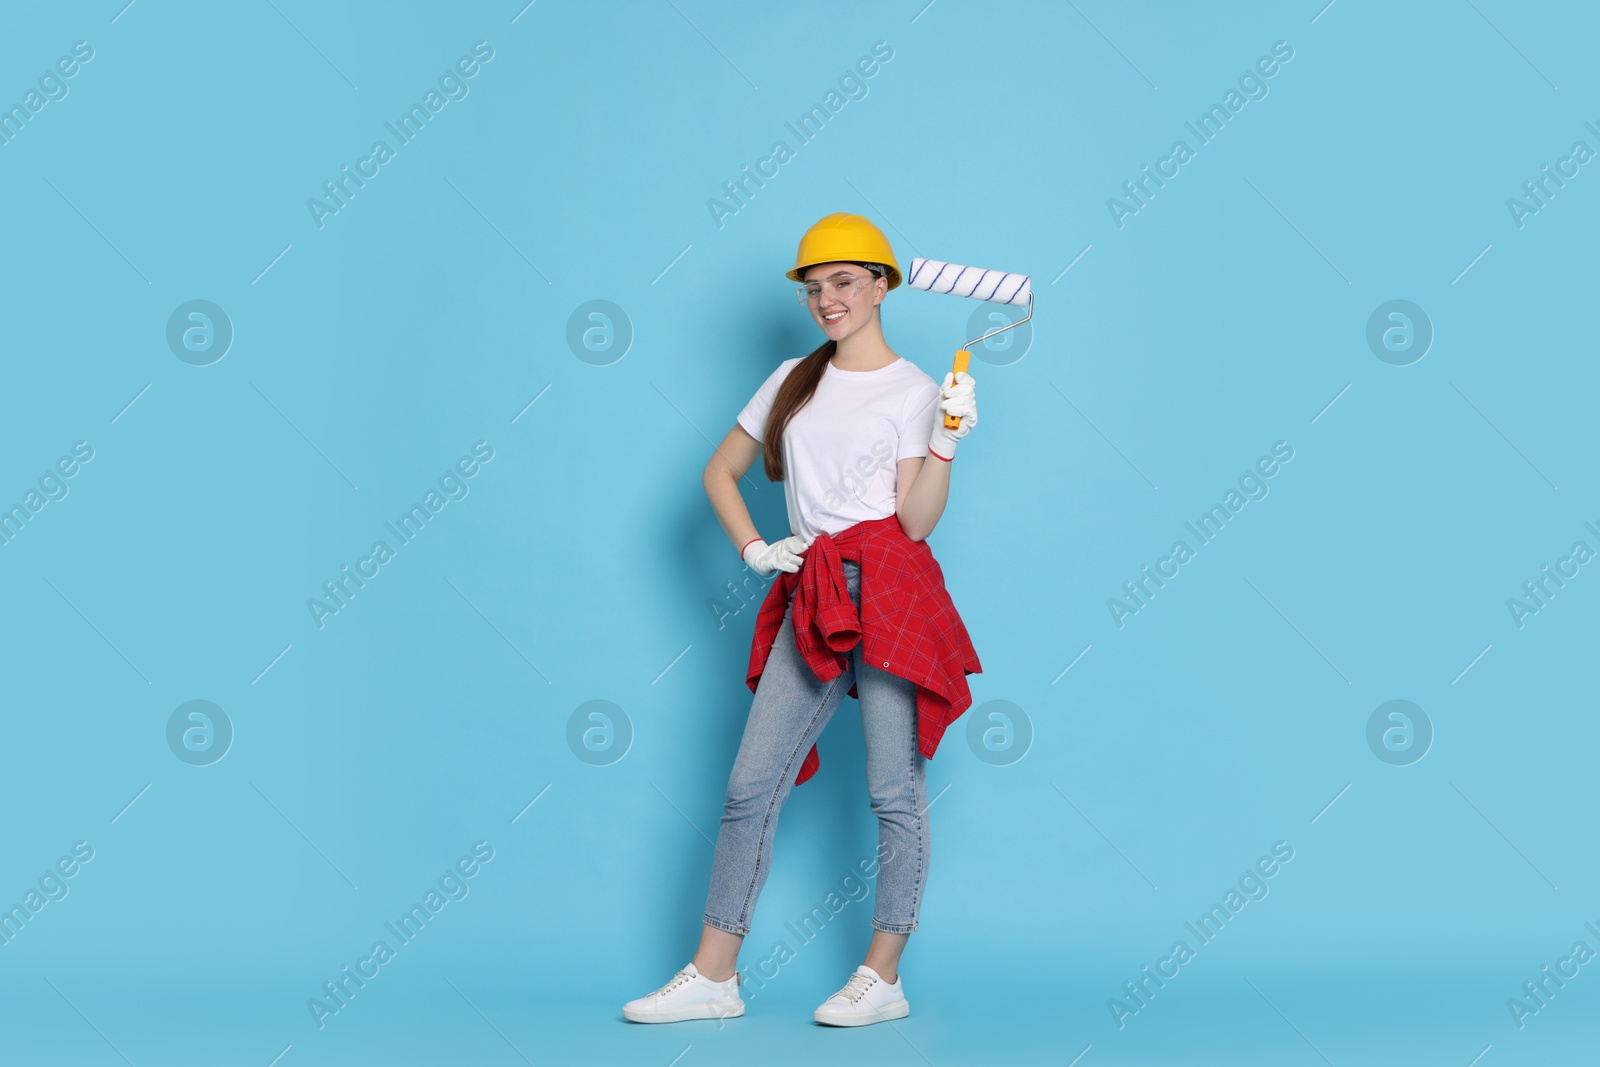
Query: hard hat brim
column 798, row 273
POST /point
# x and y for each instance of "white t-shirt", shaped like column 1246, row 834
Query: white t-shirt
column 841, row 451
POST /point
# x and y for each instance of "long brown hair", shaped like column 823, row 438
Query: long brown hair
column 793, row 394
column 798, row 386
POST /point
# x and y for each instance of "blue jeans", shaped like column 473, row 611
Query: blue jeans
column 788, row 714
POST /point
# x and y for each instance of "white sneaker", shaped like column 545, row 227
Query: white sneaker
column 690, row 995
column 865, row 998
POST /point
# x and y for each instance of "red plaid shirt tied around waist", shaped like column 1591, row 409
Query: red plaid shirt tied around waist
column 907, row 623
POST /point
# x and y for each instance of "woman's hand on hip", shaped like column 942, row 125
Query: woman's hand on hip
column 784, row 555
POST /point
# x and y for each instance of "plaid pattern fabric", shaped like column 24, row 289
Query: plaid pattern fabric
column 907, row 624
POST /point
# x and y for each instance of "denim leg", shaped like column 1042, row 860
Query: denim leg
column 897, row 784
column 787, row 716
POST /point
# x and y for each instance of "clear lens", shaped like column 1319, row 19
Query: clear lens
column 839, row 287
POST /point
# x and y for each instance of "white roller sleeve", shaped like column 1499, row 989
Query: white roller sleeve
column 974, row 282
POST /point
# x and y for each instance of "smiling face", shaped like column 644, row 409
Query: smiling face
column 837, row 310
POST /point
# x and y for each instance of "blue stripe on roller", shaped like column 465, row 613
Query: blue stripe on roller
column 995, row 279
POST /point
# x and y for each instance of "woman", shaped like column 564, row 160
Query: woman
column 859, row 602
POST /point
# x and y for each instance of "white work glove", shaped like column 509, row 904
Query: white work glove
column 956, row 397
column 783, row 555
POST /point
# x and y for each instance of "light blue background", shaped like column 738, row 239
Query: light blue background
column 585, row 562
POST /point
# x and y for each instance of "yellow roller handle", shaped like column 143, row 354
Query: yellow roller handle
column 962, row 355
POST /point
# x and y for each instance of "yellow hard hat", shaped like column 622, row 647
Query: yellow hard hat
column 842, row 237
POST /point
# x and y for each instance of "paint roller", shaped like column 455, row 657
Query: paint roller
column 977, row 284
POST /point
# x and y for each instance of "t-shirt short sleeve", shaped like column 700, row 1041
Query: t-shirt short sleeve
column 754, row 415
column 916, row 425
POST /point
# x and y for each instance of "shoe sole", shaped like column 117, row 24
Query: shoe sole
column 896, row 1011
column 678, row 1015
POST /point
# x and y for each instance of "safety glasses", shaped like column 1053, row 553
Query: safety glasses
column 841, row 286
